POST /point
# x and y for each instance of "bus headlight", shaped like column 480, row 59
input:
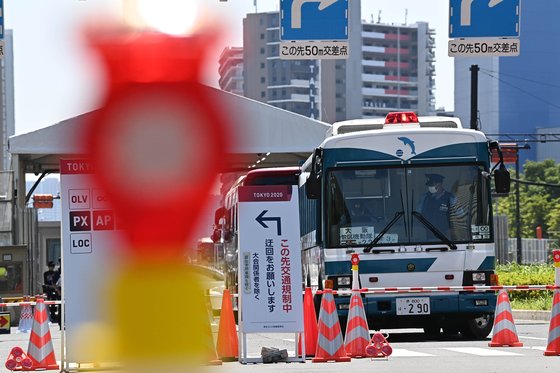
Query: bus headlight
column 343, row 281
column 481, row 302
column 479, row 277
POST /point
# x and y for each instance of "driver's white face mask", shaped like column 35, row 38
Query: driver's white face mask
column 432, row 189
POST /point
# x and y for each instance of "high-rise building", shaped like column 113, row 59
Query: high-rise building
column 389, row 67
column 231, row 70
column 7, row 128
column 518, row 95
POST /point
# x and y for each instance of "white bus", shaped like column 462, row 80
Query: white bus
column 412, row 196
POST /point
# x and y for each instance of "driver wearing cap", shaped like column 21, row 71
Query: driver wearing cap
column 437, row 203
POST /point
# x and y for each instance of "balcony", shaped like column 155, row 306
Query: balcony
column 373, row 49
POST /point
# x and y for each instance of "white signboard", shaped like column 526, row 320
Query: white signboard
column 270, row 277
column 90, row 248
column 357, row 235
column 311, row 50
column 491, row 47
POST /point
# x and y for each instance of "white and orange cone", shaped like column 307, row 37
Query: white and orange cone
column 330, row 346
column 553, row 345
column 504, row 332
column 357, row 330
column 25, row 317
column 40, row 350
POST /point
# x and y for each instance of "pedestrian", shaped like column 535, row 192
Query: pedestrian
column 50, row 279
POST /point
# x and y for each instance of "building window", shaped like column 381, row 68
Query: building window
column 263, row 94
column 262, row 36
column 263, row 79
column 53, row 249
column 262, row 65
column 262, row 50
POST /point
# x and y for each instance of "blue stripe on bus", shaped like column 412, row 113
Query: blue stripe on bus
column 478, row 150
column 380, row 266
column 488, row 264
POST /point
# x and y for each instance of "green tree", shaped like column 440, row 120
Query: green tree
column 539, row 204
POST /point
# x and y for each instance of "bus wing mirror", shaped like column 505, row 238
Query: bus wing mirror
column 502, row 180
column 313, row 183
column 313, row 187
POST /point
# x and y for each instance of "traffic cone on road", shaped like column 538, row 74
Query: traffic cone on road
column 228, row 342
column 40, row 350
column 553, row 345
column 309, row 325
column 330, row 346
column 504, row 332
column 357, row 330
column 25, row 317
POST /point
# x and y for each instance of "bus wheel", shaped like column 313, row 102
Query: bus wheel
column 479, row 327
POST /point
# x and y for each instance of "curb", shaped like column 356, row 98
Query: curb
column 531, row 315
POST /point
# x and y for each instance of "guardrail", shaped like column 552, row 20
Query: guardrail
column 428, row 289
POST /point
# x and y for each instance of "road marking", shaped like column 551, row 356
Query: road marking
column 402, row 352
column 481, row 351
column 541, row 348
column 536, row 338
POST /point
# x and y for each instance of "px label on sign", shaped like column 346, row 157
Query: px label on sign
column 484, row 18
column 314, row 19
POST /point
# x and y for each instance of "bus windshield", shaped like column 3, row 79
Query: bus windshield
column 392, row 206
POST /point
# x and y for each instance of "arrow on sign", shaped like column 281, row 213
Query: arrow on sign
column 261, row 219
column 466, row 10
column 296, row 9
column 3, row 321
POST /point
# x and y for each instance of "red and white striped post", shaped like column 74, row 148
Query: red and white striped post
column 355, row 280
column 556, row 258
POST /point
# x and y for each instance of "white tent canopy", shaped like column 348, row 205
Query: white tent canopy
column 259, row 128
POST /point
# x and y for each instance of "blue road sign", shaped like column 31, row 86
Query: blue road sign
column 314, row 19
column 484, row 18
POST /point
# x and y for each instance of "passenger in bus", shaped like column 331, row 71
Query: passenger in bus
column 437, row 204
column 358, row 214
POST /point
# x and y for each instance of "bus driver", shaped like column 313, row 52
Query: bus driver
column 437, row 204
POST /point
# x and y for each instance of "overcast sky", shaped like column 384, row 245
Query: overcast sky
column 56, row 76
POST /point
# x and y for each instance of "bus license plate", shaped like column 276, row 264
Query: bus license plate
column 413, row 306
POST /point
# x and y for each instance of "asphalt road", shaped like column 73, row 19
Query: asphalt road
column 412, row 352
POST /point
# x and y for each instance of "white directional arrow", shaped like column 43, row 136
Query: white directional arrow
column 493, row 3
column 296, row 9
column 466, row 10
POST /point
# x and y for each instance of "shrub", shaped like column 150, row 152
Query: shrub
column 532, row 274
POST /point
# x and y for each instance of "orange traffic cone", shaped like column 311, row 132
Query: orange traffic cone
column 553, row 346
column 25, row 317
column 504, row 332
column 357, row 330
column 330, row 346
column 209, row 341
column 309, row 325
column 228, row 342
column 40, row 350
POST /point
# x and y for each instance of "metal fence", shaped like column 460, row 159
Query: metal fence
column 533, row 250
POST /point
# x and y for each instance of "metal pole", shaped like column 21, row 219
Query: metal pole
column 517, row 212
column 474, row 96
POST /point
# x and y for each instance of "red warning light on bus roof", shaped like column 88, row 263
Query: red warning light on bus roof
column 401, row 117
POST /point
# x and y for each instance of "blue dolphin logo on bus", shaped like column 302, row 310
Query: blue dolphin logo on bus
column 409, row 142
